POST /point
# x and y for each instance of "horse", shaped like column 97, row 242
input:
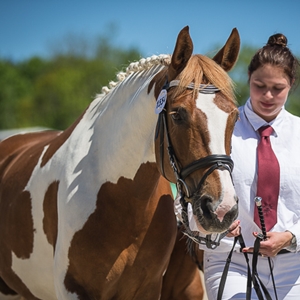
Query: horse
column 181, row 280
column 88, row 213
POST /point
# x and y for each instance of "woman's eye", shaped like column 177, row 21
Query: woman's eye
column 259, row 86
column 278, row 88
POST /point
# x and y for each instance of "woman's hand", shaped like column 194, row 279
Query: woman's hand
column 234, row 229
column 275, row 242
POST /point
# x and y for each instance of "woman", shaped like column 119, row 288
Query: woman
column 272, row 73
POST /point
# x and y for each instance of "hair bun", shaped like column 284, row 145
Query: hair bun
column 277, row 39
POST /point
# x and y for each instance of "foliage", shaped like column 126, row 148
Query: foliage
column 239, row 74
column 54, row 92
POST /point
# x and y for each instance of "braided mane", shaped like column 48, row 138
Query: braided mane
column 142, row 64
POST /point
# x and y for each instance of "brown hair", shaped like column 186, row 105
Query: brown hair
column 276, row 53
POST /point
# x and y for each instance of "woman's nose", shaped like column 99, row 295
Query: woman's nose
column 268, row 94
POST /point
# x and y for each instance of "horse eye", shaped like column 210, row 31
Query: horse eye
column 176, row 116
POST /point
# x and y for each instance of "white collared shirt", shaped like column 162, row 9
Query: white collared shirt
column 285, row 142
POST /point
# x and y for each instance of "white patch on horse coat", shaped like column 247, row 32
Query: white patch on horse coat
column 216, row 123
column 40, row 281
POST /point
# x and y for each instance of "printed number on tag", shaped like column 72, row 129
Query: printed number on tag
column 161, row 101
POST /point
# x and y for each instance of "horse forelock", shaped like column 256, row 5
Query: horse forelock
column 202, row 69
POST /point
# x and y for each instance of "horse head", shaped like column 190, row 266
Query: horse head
column 196, row 116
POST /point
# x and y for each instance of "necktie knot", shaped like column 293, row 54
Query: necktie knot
column 265, row 131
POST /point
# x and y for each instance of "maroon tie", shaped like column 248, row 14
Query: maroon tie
column 268, row 179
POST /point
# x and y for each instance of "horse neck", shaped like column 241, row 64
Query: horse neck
column 123, row 125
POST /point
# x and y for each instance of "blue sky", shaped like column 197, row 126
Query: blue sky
column 32, row 27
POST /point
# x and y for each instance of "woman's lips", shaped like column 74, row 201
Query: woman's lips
column 266, row 105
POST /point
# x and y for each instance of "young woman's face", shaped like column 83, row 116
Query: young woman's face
column 269, row 88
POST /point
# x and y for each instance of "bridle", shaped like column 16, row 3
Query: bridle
column 212, row 162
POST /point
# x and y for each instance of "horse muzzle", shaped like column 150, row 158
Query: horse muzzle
column 214, row 216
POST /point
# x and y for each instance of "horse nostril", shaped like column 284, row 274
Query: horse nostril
column 206, row 207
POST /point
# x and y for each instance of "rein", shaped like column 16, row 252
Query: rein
column 213, row 162
column 257, row 283
column 260, row 289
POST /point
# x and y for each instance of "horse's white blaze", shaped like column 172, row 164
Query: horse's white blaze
column 228, row 194
column 217, row 118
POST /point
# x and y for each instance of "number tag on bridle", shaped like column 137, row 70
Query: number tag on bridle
column 161, row 101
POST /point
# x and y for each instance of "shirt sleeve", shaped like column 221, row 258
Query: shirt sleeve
column 295, row 229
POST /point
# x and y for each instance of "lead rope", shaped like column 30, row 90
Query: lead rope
column 253, row 277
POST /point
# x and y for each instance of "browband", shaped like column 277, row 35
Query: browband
column 203, row 88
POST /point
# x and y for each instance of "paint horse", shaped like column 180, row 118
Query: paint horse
column 87, row 213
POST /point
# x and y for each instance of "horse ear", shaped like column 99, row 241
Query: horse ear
column 228, row 55
column 183, row 50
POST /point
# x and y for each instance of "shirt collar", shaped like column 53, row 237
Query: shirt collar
column 257, row 122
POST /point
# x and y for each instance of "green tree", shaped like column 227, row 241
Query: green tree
column 54, row 92
column 239, row 74
column 14, row 90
